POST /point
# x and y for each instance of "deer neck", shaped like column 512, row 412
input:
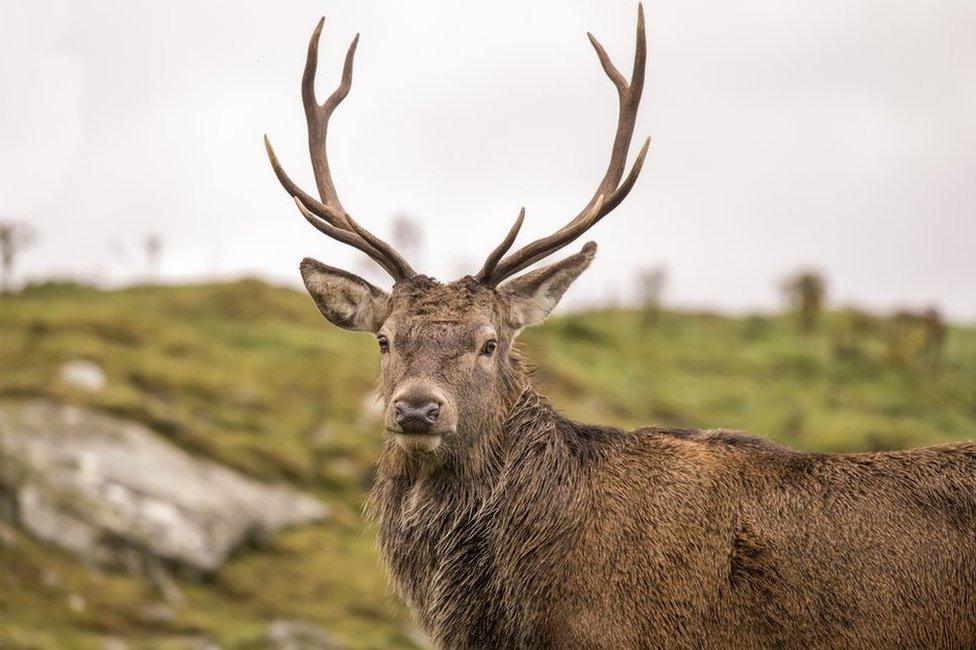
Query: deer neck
column 427, row 517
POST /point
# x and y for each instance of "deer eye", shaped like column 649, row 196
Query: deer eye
column 489, row 347
column 384, row 343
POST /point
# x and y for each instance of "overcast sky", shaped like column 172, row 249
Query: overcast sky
column 835, row 135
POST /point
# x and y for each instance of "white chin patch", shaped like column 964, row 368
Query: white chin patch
column 414, row 442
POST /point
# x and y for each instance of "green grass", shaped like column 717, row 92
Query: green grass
column 250, row 375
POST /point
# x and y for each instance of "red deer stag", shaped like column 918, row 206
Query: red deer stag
column 504, row 524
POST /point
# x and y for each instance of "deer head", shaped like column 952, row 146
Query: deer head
column 448, row 368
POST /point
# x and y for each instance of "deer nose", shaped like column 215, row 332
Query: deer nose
column 417, row 417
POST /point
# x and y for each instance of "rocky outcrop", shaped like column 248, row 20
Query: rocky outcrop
column 298, row 635
column 84, row 374
column 108, row 489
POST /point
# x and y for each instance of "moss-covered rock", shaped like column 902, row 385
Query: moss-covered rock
column 110, row 490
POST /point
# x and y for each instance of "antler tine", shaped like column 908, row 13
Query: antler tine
column 321, row 210
column 385, row 249
column 618, row 79
column 501, row 249
column 328, row 215
column 344, row 236
column 610, row 192
column 317, row 115
column 542, row 248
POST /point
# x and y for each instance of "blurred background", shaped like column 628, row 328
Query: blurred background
column 187, row 443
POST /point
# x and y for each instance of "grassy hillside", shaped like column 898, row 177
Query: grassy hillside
column 251, row 375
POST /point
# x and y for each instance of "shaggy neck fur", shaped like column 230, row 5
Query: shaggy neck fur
column 440, row 522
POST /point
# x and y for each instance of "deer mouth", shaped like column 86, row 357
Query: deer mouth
column 417, row 442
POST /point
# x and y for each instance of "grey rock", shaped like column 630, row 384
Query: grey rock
column 156, row 614
column 372, row 407
column 419, row 638
column 77, row 603
column 7, row 535
column 112, row 491
column 188, row 642
column 298, row 635
column 83, row 374
column 199, row 643
column 114, row 643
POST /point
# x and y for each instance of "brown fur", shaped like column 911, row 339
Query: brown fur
column 527, row 530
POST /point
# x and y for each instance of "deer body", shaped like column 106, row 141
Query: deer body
column 588, row 537
column 505, row 525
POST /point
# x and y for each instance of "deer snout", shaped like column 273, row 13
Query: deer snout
column 416, row 416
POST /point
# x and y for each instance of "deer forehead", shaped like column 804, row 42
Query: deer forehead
column 424, row 299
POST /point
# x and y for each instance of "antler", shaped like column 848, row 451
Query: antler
column 328, row 215
column 610, row 192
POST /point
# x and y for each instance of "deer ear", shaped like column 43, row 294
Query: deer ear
column 532, row 296
column 345, row 299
